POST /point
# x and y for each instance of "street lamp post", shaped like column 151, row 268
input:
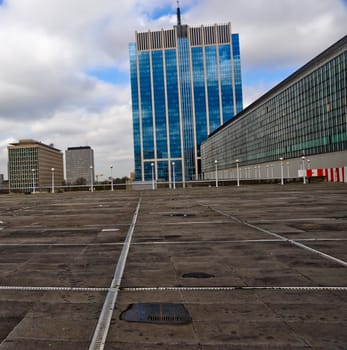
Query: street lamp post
column 33, row 172
column 91, row 179
column 52, row 179
column 303, row 170
column 237, row 172
column 216, row 171
column 173, row 176
column 153, row 186
column 111, row 167
column 282, row 180
column 288, row 175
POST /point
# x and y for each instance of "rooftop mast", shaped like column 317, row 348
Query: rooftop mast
column 178, row 13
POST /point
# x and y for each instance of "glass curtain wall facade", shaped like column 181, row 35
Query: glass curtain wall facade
column 185, row 83
column 306, row 115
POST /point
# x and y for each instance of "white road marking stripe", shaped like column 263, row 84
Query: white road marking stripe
column 329, row 257
column 49, row 289
column 169, row 242
column 170, row 289
column 217, row 289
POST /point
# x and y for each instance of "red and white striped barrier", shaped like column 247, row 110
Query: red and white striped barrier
column 330, row 174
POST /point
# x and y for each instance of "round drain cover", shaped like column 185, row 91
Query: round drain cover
column 197, row 275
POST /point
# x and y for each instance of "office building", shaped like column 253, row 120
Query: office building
column 185, row 83
column 302, row 120
column 79, row 165
column 32, row 166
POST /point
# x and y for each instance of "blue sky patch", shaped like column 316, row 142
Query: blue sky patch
column 1, row 2
column 267, row 75
column 161, row 12
column 110, row 75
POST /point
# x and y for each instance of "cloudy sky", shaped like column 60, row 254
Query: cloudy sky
column 64, row 67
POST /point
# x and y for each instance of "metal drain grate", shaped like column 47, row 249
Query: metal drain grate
column 156, row 313
column 197, row 275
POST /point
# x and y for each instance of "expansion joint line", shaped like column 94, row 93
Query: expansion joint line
column 282, row 238
column 103, row 325
column 229, row 289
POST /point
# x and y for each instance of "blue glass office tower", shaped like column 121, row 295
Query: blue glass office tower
column 185, row 83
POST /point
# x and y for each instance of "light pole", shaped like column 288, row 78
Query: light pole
column 282, row 180
column 237, row 172
column 91, row 179
column 52, row 179
column 152, row 165
column 308, row 164
column 288, row 176
column 33, row 171
column 216, row 170
column 303, row 170
column 111, row 167
column 173, row 176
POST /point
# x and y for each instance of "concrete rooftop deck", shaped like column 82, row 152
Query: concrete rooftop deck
column 276, row 256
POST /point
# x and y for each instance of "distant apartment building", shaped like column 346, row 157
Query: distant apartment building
column 33, row 165
column 79, row 165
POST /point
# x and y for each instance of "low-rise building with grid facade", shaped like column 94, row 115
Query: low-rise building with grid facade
column 33, row 166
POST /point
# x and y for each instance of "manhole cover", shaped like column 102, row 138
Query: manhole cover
column 197, row 275
column 156, row 313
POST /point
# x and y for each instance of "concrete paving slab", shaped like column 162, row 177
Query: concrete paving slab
column 64, row 240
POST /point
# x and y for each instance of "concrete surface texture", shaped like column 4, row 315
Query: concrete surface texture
column 255, row 267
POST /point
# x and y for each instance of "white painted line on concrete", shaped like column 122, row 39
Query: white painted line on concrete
column 165, row 242
column 327, row 256
column 298, row 244
column 321, row 239
column 103, row 325
column 167, row 289
column 218, row 289
column 58, row 244
column 193, row 223
column 294, row 220
column 208, row 242
column 109, row 229
column 54, row 289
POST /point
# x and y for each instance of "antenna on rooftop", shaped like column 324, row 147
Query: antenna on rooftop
column 178, row 13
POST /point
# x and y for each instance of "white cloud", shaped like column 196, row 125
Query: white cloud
column 47, row 48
